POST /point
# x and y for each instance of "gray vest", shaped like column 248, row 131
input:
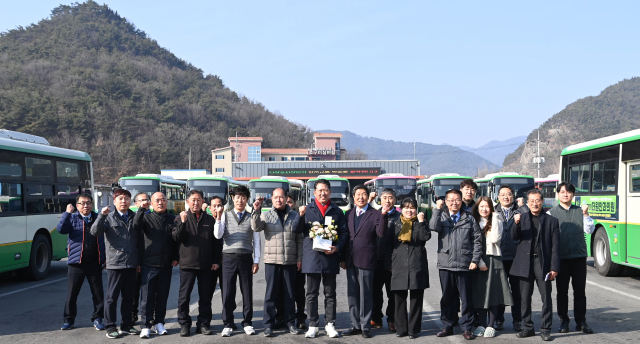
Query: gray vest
column 238, row 236
column 572, row 237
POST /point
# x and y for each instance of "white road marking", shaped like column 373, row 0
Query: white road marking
column 430, row 310
column 33, row 286
column 614, row 290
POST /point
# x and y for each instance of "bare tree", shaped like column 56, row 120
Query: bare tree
column 356, row 154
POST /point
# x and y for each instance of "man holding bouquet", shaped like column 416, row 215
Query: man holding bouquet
column 322, row 266
column 366, row 225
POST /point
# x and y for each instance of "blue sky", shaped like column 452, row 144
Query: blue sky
column 401, row 70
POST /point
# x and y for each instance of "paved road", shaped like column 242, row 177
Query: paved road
column 31, row 312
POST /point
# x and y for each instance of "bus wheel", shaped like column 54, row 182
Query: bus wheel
column 40, row 259
column 602, row 255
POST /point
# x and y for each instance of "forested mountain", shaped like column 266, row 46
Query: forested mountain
column 85, row 78
column 615, row 110
column 433, row 158
column 495, row 151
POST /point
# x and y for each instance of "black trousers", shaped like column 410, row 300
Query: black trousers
column 526, row 291
column 414, row 323
column 456, row 288
column 188, row 279
column 232, row 268
column 156, row 283
column 300, row 300
column 280, row 284
column 382, row 279
column 515, row 292
column 136, row 295
column 488, row 316
column 313, row 289
column 574, row 270
column 76, row 274
column 216, row 277
column 121, row 281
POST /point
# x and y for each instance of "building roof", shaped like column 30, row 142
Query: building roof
column 257, row 138
column 603, row 142
column 327, row 135
column 217, row 149
column 284, row 151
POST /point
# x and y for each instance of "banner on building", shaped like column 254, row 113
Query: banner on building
column 314, row 172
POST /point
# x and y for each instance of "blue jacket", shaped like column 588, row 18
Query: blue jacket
column 314, row 262
column 80, row 241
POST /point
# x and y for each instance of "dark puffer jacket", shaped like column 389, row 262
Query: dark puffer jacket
column 80, row 243
column 459, row 244
column 199, row 248
column 507, row 245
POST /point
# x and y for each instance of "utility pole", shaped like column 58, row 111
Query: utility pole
column 189, row 158
column 414, row 149
column 538, row 159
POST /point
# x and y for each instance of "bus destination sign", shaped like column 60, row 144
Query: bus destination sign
column 314, row 172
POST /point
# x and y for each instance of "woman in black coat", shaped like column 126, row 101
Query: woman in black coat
column 408, row 263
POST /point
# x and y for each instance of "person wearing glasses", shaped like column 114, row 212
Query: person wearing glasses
column 158, row 257
column 86, row 259
column 121, row 234
column 459, row 252
column 537, row 261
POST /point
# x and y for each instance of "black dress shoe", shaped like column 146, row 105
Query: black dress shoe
column 499, row 326
column 352, row 332
column 204, row 330
column 302, row 326
column 366, row 334
column 582, row 326
column 268, row 332
column 545, row 335
column 278, row 324
column 185, row 331
column 564, row 326
column 400, row 335
column 413, row 336
column 445, row 332
column 525, row 333
column 468, row 335
column 517, row 325
column 294, row 330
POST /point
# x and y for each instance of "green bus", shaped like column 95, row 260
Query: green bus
column 489, row 185
column 605, row 173
column 173, row 189
column 340, row 191
column 431, row 189
column 37, row 181
column 298, row 190
column 263, row 187
column 215, row 185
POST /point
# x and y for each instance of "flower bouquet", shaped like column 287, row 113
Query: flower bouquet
column 323, row 236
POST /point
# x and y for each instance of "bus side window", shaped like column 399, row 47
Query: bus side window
column 604, row 176
column 579, row 176
column 634, row 178
column 11, row 193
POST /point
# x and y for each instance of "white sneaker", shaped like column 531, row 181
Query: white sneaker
column 159, row 329
column 249, row 330
column 145, row 333
column 331, row 331
column 479, row 332
column 489, row 332
column 312, row 332
column 226, row 332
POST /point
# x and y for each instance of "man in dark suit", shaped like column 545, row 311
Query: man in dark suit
column 366, row 225
column 537, row 260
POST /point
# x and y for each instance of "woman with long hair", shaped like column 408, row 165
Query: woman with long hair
column 408, row 263
column 490, row 285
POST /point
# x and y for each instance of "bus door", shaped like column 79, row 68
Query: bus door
column 632, row 214
column 13, row 231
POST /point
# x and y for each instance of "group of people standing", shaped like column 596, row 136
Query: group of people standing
column 487, row 259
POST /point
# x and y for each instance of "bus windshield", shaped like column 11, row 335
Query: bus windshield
column 265, row 190
column 136, row 186
column 403, row 187
column 520, row 186
column 441, row 186
column 210, row 188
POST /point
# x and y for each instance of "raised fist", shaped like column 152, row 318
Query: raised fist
column 420, row 217
column 386, row 208
column 70, row 208
column 218, row 213
column 439, row 204
column 105, row 211
column 585, row 209
column 516, row 218
column 302, row 210
column 204, row 206
column 183, row 216
column 372, row 196
column 258, row 203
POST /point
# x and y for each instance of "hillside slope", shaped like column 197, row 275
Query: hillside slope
column 495, row 151
column 86, row 78
column 615, row 110
column 433, row 158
